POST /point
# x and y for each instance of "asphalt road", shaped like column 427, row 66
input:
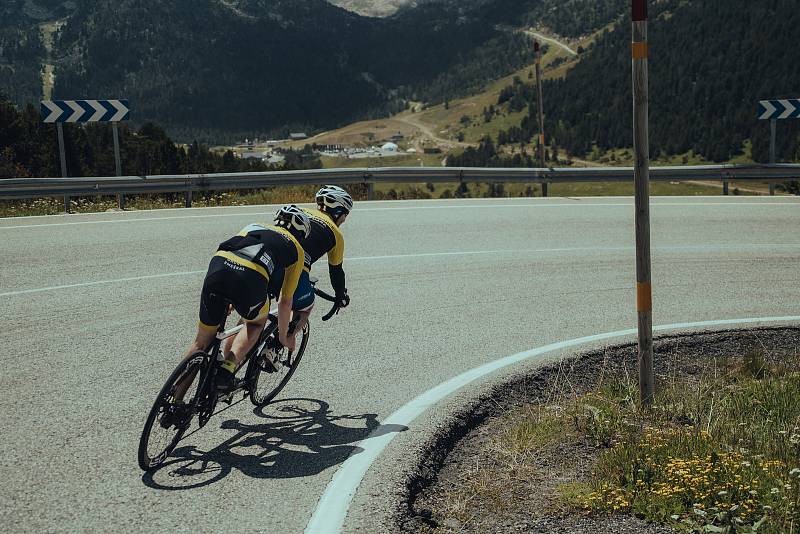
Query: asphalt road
column 98, row 308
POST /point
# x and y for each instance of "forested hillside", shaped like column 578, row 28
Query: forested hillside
column 710, row 63
column 28, row 148
column 222, row 67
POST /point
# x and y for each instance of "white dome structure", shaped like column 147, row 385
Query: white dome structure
column 390, row 148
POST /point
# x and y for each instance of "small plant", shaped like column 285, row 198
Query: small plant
column 716, row 454
column 754, row 364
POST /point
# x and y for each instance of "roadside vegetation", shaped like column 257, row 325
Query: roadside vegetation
column 383, row 191
column 719, row 451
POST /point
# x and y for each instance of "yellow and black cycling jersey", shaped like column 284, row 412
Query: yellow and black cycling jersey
column 265, row 248
column 324, row 238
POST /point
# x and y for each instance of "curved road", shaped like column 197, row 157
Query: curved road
column 97, row 308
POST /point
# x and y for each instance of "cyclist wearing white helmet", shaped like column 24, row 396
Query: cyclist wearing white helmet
column 334, row 204
column 240, row 272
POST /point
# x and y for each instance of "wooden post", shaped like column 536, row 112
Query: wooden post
column 773, row 126
column 538, row 51
column 63, row 155
column 641, row 177
column 121, row 196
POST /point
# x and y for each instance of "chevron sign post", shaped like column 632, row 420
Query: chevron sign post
column 82, row 111
column 775, row 110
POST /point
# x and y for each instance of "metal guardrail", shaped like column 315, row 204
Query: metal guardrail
column 17, row 188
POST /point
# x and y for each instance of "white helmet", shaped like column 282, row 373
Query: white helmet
column 293, row 219
column 334, row 200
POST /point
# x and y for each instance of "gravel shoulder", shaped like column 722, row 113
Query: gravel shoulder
column 436, row 498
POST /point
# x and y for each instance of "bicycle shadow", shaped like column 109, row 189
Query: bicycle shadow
column 300, row 437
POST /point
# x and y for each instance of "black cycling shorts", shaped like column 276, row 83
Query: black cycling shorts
column 242, row 286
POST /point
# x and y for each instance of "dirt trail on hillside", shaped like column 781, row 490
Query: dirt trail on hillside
column 426, row 130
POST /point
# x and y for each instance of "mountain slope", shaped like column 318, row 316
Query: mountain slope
column 710, row 63
column 269, row 65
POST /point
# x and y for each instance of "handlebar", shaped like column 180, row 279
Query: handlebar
column 325, row 296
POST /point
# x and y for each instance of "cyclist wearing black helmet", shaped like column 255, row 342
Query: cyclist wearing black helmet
column 240, row 272
column 334, row 204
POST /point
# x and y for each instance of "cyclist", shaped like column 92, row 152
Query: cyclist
column 334, row 205
column 240, row 272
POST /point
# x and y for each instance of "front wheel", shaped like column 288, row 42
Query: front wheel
column 264, row 381
column 169, row 418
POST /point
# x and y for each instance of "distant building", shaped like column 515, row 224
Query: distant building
column 397, row 137
column 299, row 136
column 389, row 148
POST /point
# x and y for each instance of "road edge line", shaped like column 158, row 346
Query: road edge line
column 331, row 510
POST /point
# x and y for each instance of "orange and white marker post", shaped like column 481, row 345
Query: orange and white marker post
column 538, row 52
column 641, row 179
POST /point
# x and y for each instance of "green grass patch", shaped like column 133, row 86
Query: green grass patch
column 715, row 453
column 718, row 451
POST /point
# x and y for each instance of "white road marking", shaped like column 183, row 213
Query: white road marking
column 331, row 510
column 531, row 205
column 97, row 283
column 424, row 255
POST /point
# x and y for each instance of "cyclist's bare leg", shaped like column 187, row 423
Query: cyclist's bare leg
column 303, row 318
column 201, row 341
column 244, row 340
column 227, row 343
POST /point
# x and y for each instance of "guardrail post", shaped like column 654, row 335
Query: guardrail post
column 370, row 191
column 188, row 195
column 544, row 189
column 725, row 186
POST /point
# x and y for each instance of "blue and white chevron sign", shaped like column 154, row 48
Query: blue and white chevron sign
column 779, row 109
column 85, row 110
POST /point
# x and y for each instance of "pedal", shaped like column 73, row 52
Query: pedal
column 269, row 356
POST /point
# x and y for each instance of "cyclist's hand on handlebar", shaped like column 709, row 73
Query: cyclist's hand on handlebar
column 287, row 341
column 342, row 299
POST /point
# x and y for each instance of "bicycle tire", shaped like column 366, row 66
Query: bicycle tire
column 148, row 460
column 254, row 376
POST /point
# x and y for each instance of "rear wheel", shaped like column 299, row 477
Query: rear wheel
column 264, row 381
column 169, row 418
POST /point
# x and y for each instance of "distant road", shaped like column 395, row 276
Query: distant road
column 99, row 306
column 556, row 42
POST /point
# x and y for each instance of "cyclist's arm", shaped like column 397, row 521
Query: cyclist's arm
column 335, row 260
column 337, row 279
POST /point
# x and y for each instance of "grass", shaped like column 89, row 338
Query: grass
column 55, row 206
column 297, row 194
column 402, row 160
column 719, row 451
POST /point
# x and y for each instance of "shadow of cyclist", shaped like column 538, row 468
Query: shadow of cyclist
column 298, row 438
